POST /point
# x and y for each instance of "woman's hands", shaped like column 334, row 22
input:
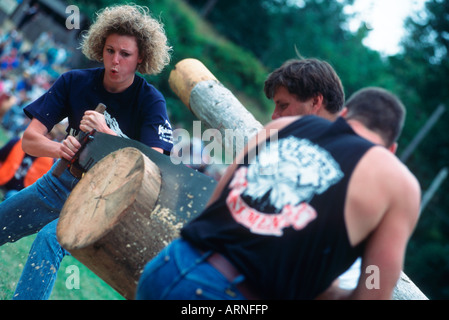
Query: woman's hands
column 69, row 147
column 94, row 120
column 90, row 121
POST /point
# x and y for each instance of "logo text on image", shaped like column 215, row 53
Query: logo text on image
column 73, row 20
column 211, row 147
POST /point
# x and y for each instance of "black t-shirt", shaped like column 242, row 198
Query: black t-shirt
column 280, row 220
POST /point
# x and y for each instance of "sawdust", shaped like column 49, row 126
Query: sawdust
column 169, row 225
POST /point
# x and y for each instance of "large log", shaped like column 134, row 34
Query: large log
column 110, row 222
column 407, row 290
column 214, row 105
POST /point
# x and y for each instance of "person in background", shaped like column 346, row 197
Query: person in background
column 6, row 103
column 29, row 15
column 383, row 115
column 19, row 170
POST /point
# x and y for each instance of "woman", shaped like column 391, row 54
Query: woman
column 125, row 39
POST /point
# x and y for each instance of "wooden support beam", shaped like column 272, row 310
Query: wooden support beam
column 436, row 183
column 422, row 133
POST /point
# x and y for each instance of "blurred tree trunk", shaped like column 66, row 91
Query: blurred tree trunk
column 208, row 7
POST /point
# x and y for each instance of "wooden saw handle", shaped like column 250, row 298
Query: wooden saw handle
column 64, row 163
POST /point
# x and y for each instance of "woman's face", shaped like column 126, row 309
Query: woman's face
column 120, row 58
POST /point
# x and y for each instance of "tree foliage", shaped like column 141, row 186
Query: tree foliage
column 422, row 69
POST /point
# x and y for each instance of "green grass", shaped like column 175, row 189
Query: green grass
column 13, row 257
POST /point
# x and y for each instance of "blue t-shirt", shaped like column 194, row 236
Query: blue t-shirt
column 138, row 113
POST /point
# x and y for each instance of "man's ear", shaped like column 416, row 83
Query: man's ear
column 393, row 148
column 344, row 112
column 318, row 102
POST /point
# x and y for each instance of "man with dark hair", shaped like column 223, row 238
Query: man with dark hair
column 380, row 112
column 306, row 86
column 381, row 115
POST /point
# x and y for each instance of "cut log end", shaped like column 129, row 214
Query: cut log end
column 186, row 75
column 111, row 223
column 105, row 192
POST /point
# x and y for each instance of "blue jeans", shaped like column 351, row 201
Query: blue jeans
column 26, row 213
column 181, row 272
column 40, row 271
column 32, row 208
column 10, row 193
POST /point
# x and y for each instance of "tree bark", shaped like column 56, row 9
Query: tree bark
column 214, row 105
column 110, row 222
column 407, row 290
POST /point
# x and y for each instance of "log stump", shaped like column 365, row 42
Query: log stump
column 110, row 222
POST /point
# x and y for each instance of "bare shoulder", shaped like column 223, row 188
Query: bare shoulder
column 383, row 205
column 380, row 185
column 269, row 130
column 390, row 171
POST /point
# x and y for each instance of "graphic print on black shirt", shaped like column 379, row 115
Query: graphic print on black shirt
column 275, row 190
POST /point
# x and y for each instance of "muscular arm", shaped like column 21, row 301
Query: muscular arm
column 36, row 143
column 385, row 211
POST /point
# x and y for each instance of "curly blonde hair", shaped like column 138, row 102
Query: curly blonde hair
column 130, row 20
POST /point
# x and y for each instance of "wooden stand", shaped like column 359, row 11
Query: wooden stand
column 110, row 222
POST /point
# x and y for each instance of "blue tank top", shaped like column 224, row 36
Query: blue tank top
column 280, row 220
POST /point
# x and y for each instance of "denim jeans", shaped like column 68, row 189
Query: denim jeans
column 41, row 268
column 26, row 213
column 32, row 208
column 181, row 272
column 10, row 193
